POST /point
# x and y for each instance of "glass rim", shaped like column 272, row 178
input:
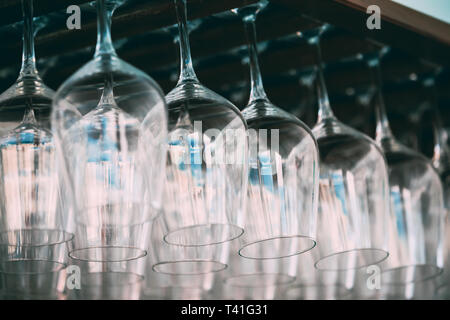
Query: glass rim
column 67, row 238
column 405, row 267
column 298, row 252
column 357, row 250
column 230, row 279
column 142, row 253
column 222, row 265
column 182, row 229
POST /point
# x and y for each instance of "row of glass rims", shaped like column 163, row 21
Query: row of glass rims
column 109, row 189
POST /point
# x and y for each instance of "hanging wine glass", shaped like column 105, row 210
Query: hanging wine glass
column 306, row 79
column 283, row 177
column 416, row 202
column 353, row 193
column 441, row 161
column 110, row 121
column 172, row 268
column 206, row 166
column 33, row 237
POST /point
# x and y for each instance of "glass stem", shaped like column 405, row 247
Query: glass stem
column 257, row 91
column 187, row 72
column 383, row 129
column 28, row 58
column 104, row 40
column 325, row 111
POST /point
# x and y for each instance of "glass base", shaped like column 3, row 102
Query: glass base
column 259, row 280
column 107, row 254
column 278, row 247
column 203, row 235
column 189, row 267
column 31, row 279
column 410, row 274
column 317, row 292
column 25, row 238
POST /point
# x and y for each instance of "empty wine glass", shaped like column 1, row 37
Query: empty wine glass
column 33, row 263
column 206, row 165
column 27, row 158
column 110, row 122
column 33, row 234
column 314, row 284
column 283, row 177
column 198, row 262
column 353, row 192
column 108, row 279
column 181, row 271
column 256, row 279
column 416, row 244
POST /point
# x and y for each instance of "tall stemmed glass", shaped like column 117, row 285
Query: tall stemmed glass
column 416, row 197
column 110, row 121
column 33, row 237
column 206, row 166
column 314, row 284
column 283, row 177
column 353, row 196
column 441, row 161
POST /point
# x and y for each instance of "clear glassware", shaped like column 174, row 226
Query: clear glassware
column 29, row 189
column 353, row 193
column 174, row 293
column 199, row 263
column 256, row 279
column 283, row 174
column 416, row 197
column 108, row 279
column 441, row 161
column 180, row 271
column 243, row 292
column 33, row 232
column 206, row 165
column 419, row 290
column 314, row 284
column 33, row 264
column 110, row 121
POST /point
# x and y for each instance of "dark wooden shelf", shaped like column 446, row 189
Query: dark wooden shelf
column 412, row 36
